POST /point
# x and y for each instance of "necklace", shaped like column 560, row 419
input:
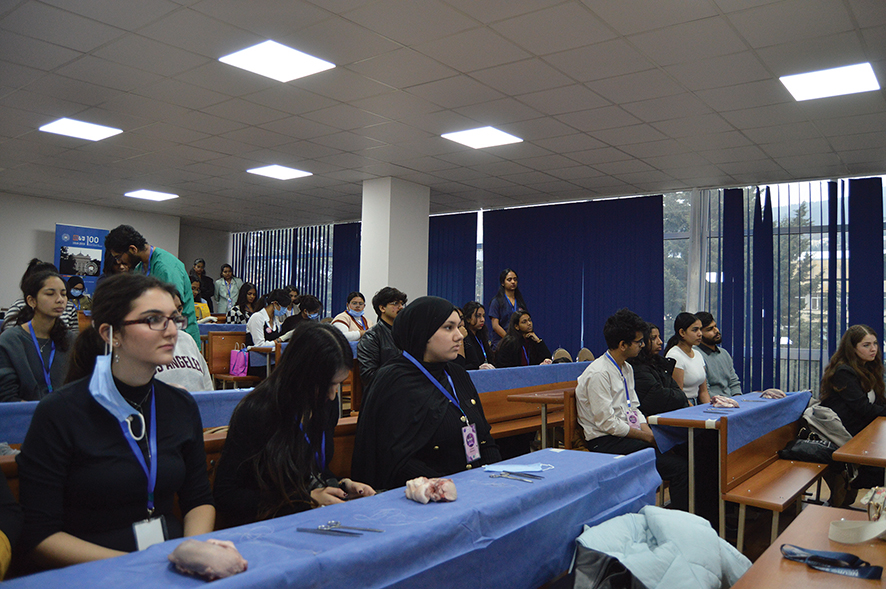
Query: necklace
column 138, row 406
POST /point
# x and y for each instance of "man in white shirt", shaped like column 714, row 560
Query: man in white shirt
column 608, row 408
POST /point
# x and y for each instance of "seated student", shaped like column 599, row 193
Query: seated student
column 263, row 328
column 853, row 387
column 376, row 346
column 78, row 301
column 352, row 321
column 689, row 372
column 11, row 315
column 188, row 369
column 478, row 351
column 10, row 525
column 87, row 460
column 276, row 457
column 247, row 304
column 309, row 309
column 521, row 346
column 207, row 284
column 656, row 388
column 719, row 370
column 201, row 307
column 292, row 309
column 34, row 354
column 607, row 404
column 110, row 268
column 423, row 416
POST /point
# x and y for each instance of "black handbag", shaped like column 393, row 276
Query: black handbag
column 809, row 450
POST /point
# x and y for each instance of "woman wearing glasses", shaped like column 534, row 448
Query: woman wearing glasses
column 353, row 322
column 106, row 455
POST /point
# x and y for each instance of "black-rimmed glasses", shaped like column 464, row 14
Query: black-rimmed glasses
column 159, row 322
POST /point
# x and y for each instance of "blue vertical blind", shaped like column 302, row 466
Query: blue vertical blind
column 312, row 264
column 264, row 258
column 579, row 263
column 452, row 257
column 345, row 264
column 866, row 258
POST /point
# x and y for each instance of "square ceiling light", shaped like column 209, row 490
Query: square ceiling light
column 276, row 61
column 279, row 172
column 80, row 130
column 482, row 137
column 151, row 195
column 837, row 81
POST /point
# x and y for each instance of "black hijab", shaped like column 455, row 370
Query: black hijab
column 420, row 320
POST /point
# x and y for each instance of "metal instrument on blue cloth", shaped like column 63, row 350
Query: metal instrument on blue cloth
column 522, row 474
column 507, row 475
column 336, row 525
column 327, row 530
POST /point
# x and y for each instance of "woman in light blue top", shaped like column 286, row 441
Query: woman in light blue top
column 227, row 289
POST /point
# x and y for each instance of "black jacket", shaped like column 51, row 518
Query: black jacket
column 657, row 390
column 510, row 353
column 374, row 350
column 850, row 402
column 477, row 350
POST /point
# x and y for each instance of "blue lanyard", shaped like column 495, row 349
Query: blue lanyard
column 152, row 452
column 453, row 399
column 150, row 256
column 514, row 306
column 320, row 457
column 623, row 379
column 76, row 303
column 40, row 355
column 482, row 348
column 228, row 286
column 840, row 563
column 523, row 351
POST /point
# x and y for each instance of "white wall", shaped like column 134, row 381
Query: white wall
column 213, row 246
column 28, row 231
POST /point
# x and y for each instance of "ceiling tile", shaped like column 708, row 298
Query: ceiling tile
column 60, row 27
column 558, row 28
column 473, row 50
column 603, row 60
column 455, row 92
column 33, row 52
column 667, row 108
column 410, row 22
column 791, row 20
column 564, row 99
column 522, row 77
column 725, row 70
column 652, row 83
column 688, row 41
column 402, row 68
column 634, row 16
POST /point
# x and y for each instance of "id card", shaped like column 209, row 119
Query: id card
column 472, row 446
column 149, row 532
column 633, row 418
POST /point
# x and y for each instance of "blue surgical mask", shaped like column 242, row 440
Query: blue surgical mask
column 76, row 292
column 280, row 312
column 355, row 314
column 314, row 316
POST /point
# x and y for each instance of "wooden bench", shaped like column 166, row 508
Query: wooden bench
column 510, row 419
column 755, row 475
column 218, row 356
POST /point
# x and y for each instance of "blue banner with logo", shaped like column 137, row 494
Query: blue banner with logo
column 80, row 251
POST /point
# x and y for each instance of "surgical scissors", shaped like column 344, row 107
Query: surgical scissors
column 336, row 525
column 507, row 475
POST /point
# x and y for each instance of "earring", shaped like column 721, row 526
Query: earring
column 116, row 358
column 117, row 344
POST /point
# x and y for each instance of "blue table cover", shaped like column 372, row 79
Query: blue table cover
column 525, row 376
column 205, row 328
column 753, row 418
column 498, row 533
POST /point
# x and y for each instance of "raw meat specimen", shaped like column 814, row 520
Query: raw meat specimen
column 423, row 490
column 773, row 394
column 720, row 401
column 213, row 559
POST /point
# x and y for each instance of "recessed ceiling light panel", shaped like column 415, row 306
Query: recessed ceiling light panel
column 151, row 195
column 838, row 81
column 80, row 130
column 482, row 137
column 276, row 61
column 279, row 172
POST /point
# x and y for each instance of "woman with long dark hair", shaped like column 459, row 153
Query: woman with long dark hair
column 423, row 409
column 506, row 302
column 247, row 304
column 353, row 322
column 34, row 353
column 207, row 284
column 852, row 384
column 656, row 388
column 689, row 372
column 478, row 351
column 106, row 455
column 522, row 346
column 276, row 457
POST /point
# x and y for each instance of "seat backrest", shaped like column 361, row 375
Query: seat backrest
column 218, row 349
column 585, row 355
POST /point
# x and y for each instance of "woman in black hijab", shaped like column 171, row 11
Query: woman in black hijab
column 422, row 416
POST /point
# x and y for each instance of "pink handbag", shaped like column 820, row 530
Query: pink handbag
column 239, row 361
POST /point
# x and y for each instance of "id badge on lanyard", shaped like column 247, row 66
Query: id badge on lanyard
column 472, row 447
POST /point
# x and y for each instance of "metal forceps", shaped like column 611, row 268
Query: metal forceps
column 507, row 475
column 336, row 525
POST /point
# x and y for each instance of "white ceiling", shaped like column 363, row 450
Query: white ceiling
column 611, row 97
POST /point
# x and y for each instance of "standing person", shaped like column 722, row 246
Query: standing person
column 207, row 284
column 78, row 301
column 127, row 245
column 227, row 289
column 478, row 351
column 689, row 372
column 34, row 266
column 277, row 454
column 719, row 369
column 247, row 304
column 423, row 416
column 107, row 454
column 34, row 354
column 353, row 322
column 377, row 346
column 607, row 405
column 656, row 388
column 507, row 301
column 522, row 346
column 188, row 369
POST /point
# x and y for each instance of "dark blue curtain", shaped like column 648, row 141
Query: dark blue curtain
column 452, row 257
column 835, row 329
column 345, row 265
column 866, row 253
column 733, row 295
column 766, row 273
column 579, row 263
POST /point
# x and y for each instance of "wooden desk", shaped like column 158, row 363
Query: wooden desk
column 544, row 399
column 867, row 448
column 267, row 351
column 810, row 530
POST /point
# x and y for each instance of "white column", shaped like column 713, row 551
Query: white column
column 394, row 237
